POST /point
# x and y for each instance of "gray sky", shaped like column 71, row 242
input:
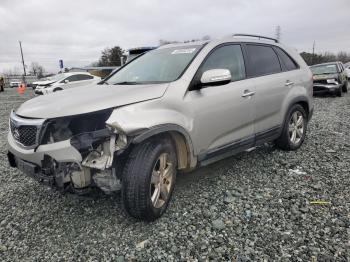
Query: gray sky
column 76, row 31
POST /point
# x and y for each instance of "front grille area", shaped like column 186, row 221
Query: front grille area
column 25, row 131
column 26, row 135
column 321, row 81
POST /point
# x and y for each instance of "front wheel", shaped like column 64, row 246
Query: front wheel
column 294, row 129
column 148, row 179
column 57, row 89
column 345, row 86
column 339, row 92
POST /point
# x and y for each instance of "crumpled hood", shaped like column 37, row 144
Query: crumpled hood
column 86, row 99
column 46, row 82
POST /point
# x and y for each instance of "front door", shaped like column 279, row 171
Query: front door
column 223, row 115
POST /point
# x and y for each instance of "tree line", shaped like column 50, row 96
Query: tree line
column 114, row 56
column 312, row 59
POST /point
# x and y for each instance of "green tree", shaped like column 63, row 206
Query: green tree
column 312, row 59
column 343, row 57
column 111, row 57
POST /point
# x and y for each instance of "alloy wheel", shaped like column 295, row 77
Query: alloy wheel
column 161, row 180
column 296, row 127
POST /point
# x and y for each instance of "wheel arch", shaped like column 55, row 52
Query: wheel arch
column 57, row 89
column 181, row 139
column 303, row 101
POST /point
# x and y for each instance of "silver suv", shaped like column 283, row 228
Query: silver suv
column 174, row 108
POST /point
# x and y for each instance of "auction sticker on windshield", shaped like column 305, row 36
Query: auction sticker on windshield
column 183, row 51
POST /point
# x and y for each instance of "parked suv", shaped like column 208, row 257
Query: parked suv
column 330, row 77
column 174, row 108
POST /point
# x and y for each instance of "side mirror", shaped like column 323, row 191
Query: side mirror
column 216, row 77
column 66, row 81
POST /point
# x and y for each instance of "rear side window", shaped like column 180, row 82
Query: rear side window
column 227, row 57
column 262, row 60
column 72, row 78
column 287, row 62
column 84, row 77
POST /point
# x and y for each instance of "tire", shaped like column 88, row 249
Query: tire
column 142, row 179
column 285, row 141
column 345, row 86
column 339, row 92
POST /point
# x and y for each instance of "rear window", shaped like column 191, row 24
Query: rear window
column 287, row 62
column 262, row 60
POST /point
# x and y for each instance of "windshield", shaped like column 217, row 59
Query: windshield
column 324, row 69
column 158, row 66
column 57, row 77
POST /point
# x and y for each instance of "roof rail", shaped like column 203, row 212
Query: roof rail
column 257, row 36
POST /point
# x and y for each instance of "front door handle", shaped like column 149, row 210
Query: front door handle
column 289, row 83
column 247, row 93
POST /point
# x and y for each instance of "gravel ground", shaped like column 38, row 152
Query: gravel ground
column 256, row 206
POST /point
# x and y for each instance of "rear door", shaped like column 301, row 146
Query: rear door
column 272, row 86
column 222, row 114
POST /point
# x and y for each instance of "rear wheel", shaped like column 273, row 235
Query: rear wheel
column 294, row 129
column 149, row 178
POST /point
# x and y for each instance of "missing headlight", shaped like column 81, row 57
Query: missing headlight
column 63, row 128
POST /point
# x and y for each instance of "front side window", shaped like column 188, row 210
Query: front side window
column 226, row 57
column 262, row 60
column 157, row 66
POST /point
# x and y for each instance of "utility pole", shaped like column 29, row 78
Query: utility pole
column 313, row 53
column 278, row 33
column 24, row 67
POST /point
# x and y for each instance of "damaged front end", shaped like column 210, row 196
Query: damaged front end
column 96, row 144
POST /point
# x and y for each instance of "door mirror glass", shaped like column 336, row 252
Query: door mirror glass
column 216, row 77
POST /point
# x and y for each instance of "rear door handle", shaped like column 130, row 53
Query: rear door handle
column 247, row 93
column 289, row 83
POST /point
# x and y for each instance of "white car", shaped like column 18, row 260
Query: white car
column 347, row 69
column 15, row 83
column 41, row 81
column 65, row 80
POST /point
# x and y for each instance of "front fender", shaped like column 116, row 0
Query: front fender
column 133, row 119
column 143, row 120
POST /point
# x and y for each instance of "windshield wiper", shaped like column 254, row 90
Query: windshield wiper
column 127, row 83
